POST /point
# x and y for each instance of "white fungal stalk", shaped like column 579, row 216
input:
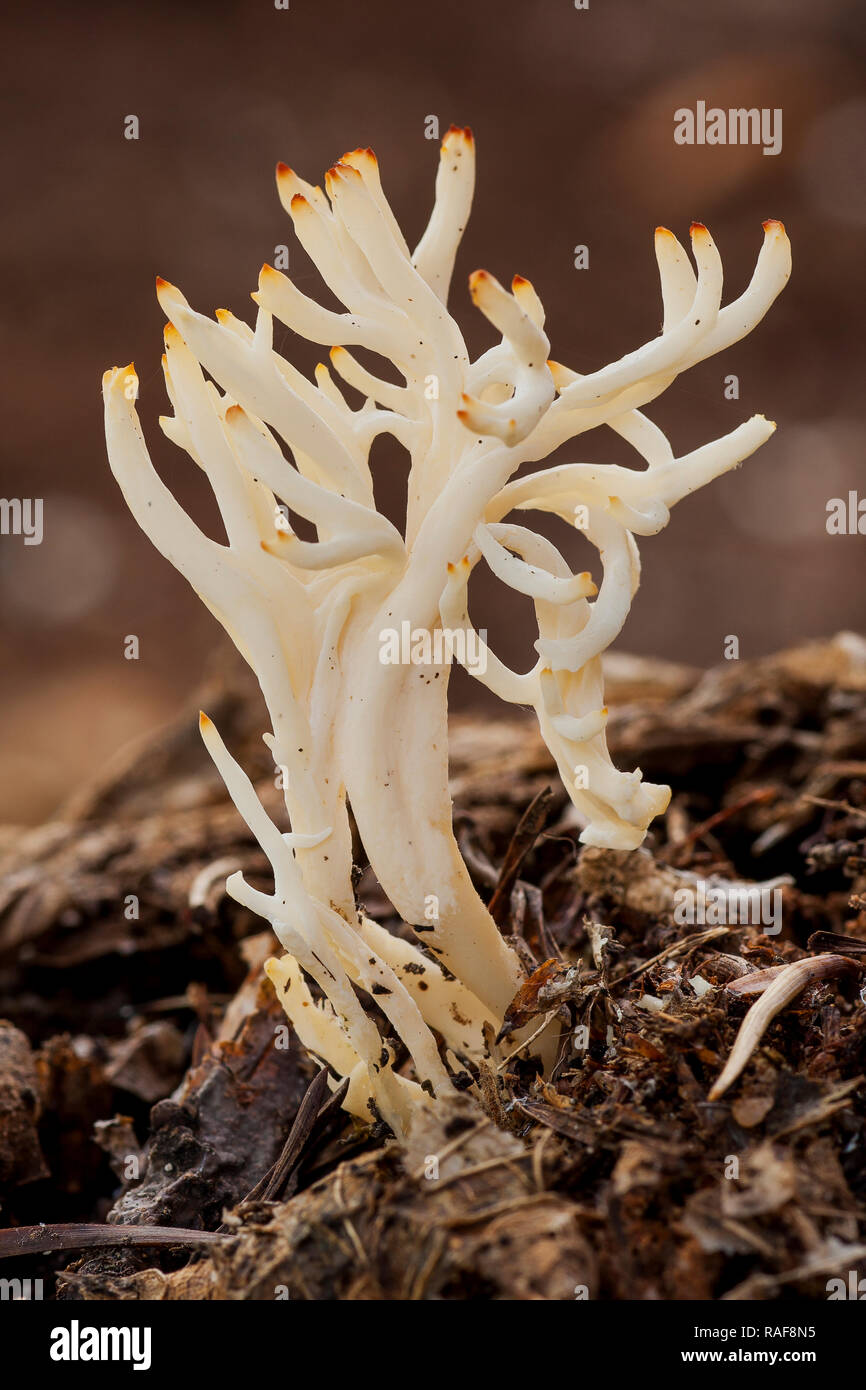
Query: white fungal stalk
column 309, row 615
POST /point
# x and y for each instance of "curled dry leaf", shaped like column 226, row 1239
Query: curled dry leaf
column 756, row 982
column 547, row 987
column 789, row 982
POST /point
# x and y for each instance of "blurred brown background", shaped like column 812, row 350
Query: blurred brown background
column 573, row 113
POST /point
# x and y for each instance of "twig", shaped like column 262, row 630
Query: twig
column 528, row 830
column 483, row 1167
column 845, row 1258
column 538, row 1158
column 422, row 1275
column 312, row 1116
column 42, row 1239
column 696, row 939
column 834, row 805
column 539, row 1030
column 453, row 1145
column 760, row 794
column 488, row 1213
column 828, row 1105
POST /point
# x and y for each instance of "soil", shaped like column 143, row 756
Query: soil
column 164, row 1136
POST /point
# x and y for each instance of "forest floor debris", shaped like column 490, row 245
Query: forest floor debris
column 145, row 1083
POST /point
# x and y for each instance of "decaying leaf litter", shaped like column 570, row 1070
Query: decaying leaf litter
column 139, row 1037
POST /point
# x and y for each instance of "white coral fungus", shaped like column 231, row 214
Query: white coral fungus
column 308, row 614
